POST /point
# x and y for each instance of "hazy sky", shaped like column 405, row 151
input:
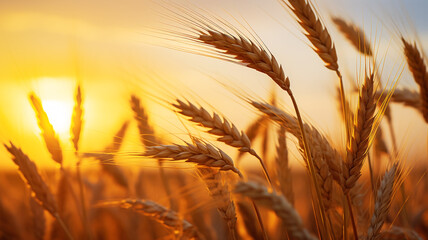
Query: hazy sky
column 109, row 45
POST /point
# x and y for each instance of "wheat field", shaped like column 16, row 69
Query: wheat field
column 267, row 172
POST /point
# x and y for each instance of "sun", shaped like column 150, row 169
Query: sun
column 59, row 114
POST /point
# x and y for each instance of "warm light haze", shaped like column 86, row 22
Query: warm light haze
column 98, row 94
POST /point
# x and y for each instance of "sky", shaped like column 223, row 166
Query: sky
column 115, row 48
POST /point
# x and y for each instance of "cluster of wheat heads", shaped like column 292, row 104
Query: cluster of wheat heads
column 214, row 198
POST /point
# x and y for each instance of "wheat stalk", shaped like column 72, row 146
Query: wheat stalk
column 362, row 131
column 354, row 34
column 38, row 217
column 107, row 161
column 34, row 181
column 77, row 119
column 278, row 204
column 163, row 215
column 246, row 52
column 417, row 67
column 221, row 195
column 147, row 134
column 201, row 153
column 383, row 201
column 321, row 150
column 48, row 133
column 227, row 131
column 148, row 138
column 407, row 97
column 253, row 130
column 399, row 233
column 316, row 33
column 283, row 170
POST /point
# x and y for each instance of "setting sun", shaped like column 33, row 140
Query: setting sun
column 59, row 113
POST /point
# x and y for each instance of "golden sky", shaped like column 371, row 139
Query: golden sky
column 47, row 46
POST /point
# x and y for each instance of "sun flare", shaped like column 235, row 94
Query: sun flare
column 59, row 114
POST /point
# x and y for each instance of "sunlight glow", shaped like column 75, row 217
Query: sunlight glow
column 59, row 114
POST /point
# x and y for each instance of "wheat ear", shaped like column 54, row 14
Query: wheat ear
column 75, row 132
column 34, row 181
column 161, row 214
column 77, row 119
column 253, row 130
column 417, row 67
column 227, row 131
column 407, row 97
column 278, row 204
column 362, row 132
column 220, row 193
column 107, row 161
column 38, row 217
column 316, row 33
column 383, row 201
column 48, row 133
column 283, row 170
column 321, row 151
column 354, row 34
column 399, row 233
column 201, row 153
column 148, row 138
column 246, row 52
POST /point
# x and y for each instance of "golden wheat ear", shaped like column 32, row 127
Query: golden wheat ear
column 201, row 153
column 161, row 214
column 354, row 34
column 282, row 208
column 219, row 191
column 48, row 132
column 384, row 196
column 35, row 182
column 77, row 119
column 417, row 67
column 326, row 159
column 315, row 31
